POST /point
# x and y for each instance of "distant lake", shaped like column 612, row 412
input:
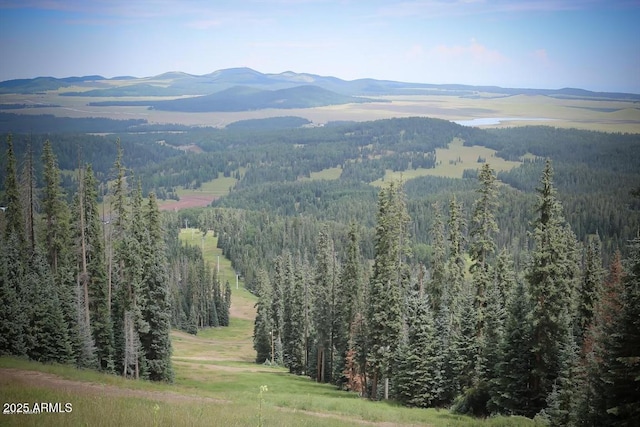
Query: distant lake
column 492, row 121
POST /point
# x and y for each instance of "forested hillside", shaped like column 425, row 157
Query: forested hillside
column 508, row 290
column 94, row 290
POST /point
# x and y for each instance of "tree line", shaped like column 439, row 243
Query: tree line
column 556, row 340
column 79, row 286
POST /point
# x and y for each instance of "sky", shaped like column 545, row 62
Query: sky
column 551, row 44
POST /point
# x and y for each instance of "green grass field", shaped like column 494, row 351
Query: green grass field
column 216, row 384
column 451, row 163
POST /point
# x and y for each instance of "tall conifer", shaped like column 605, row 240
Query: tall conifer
column 156, row 312
column 388, row 282
column 551, row 276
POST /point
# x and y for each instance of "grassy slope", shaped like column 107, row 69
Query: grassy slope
column 216, row 373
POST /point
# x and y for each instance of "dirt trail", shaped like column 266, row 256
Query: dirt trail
column 42, row 379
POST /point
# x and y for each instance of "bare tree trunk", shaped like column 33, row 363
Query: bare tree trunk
column 374, row 385
column 84, row 276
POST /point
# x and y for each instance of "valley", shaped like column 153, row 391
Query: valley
column 329, row 262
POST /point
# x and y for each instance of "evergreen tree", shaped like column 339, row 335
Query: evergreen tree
column 482, row 246
column 293, row 334
column 324, row 307
column 505, row 277
column 444, row 383
column 48, row 339
column 86, row 356
column 93, row 275
column 28, row 194
column 563, row 400
column 414, row 378
column 156, row 313
column 14, row 209
column 439, row 261
column 388, row 283
column 551, row 277
column 490, row 351
column 263, row 326
column 13, row 315
column 216, row 303
column 456, row 263
column 58, row 244
column 13, row 303
column 465, row 350
column 224, row 314
column 511, row 390
column 591, row 287
column 597, row 347
column 622, row 375
column 277, row 303
column 348, row 302
column 129, row 240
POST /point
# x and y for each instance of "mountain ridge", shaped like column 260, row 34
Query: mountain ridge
column 175, row 83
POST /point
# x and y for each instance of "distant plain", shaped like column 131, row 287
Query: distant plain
column 601, row 115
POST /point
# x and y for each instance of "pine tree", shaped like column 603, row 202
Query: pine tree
column 224, row 319
column 482, row 247
column 93, row 274
column 28, row 194
column 562, row 402
column 444, row 383
column 456, row 263
column 511, row 390
column 324, row 306
column 156, row 313
column 388, row 283
column 622, row 375
column 490, row 351
column 465, row 349
column 216, row 302
column 13, row 304
column 14, row 219
column 591, row 287
column 597, row 347
column 13, row 315
column 415, row 356
column 551, row 276
column 58, row 243
column 86, row 352
column 263, row 326
column 348, row 303
column 293, row 318
column 439, row 261
column 277, row 303
column 48, row 339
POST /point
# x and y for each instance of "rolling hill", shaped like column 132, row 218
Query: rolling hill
column 179, row 83
column 245, row 98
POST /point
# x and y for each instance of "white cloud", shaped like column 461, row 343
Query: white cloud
column 540, row 55
column 473, row 51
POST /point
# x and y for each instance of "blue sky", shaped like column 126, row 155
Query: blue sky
column 590, row 44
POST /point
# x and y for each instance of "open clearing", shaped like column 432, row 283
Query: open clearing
column 200, row 197
column 216, row 383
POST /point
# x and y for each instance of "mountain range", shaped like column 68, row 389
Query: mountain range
column 241, row 89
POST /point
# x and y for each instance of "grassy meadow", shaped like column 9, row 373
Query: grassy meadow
column 216, row 384
column 602, row 115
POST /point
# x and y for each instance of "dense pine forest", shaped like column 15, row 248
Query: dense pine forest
column 511, row 291
column 94, row 290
